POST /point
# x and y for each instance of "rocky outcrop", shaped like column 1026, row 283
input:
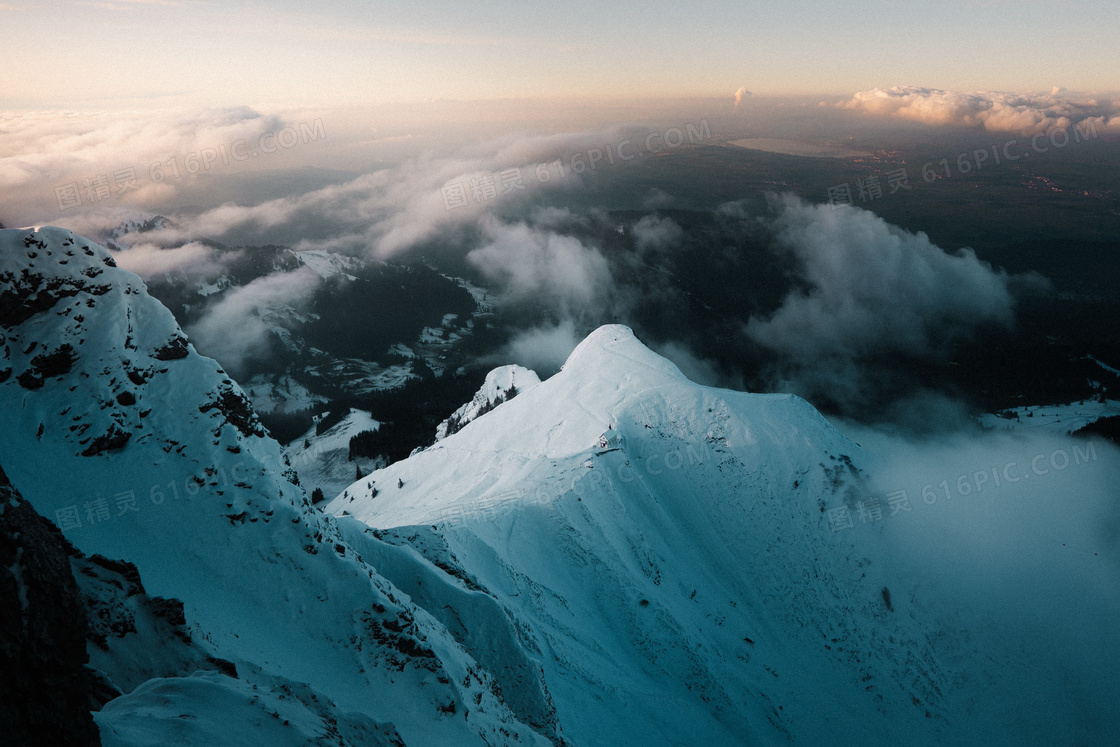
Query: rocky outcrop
column 76, row 632
column 45, row 688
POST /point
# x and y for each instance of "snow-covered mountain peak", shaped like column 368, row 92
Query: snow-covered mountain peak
column 637, row 526
column 505, row 378
column 501, row 385
column 616, row 555
column 614, row 347
column 142, row 223
column 79, row 334
column 610, row 394
column 329, row 265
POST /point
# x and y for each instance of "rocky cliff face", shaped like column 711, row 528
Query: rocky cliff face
column 76, row 632
column 45, row 687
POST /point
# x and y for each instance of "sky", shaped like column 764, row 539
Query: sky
column 290, row 54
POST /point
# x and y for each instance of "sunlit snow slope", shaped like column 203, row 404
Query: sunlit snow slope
column 662, row 550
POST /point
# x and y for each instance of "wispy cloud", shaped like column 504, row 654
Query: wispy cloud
column 43, row 150
column 550, row 268
column 148, row 260
column 234, row 331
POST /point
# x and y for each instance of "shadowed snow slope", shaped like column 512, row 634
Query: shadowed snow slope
column 141, row 449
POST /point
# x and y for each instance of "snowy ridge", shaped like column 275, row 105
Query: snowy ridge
column 141, row 223
column 615, row 556
column 156, row 457
column 609, row 379
column 501, row 384
column 277, row 393
column 663, row 550
column 664, row 554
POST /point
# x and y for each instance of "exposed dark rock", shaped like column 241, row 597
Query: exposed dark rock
column 171, row 610
column 45, row 688
column 236, row 410
column 228, row 668
column 127, row 571
column 46, row 366
column 138, row 376
column 126, row 626
column 29, row 380
column 175, row 349
column 111, row 440
column 29, row 294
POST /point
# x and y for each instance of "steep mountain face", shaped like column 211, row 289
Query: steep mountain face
column 138, row 448
column 654, row 562
column 662, row 551
column 78, row 632
column 614, row 556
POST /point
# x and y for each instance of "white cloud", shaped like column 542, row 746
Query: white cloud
column 655, row 233
column 149, row 260
column 48, row 149
column 1023, row 565
column 542, row 349
column 393, row 209
column 1027, row 114
column 551, row 269
column 697, row 369
column 870, row 289
column 873, row 286
column 233, row 330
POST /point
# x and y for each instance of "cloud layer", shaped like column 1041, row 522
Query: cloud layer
column 193, row 259
column 53, row 149
column 1028, row 567
column 1026, row 114
column 499, row 210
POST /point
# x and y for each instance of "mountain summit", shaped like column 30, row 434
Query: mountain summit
column 662, row 549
